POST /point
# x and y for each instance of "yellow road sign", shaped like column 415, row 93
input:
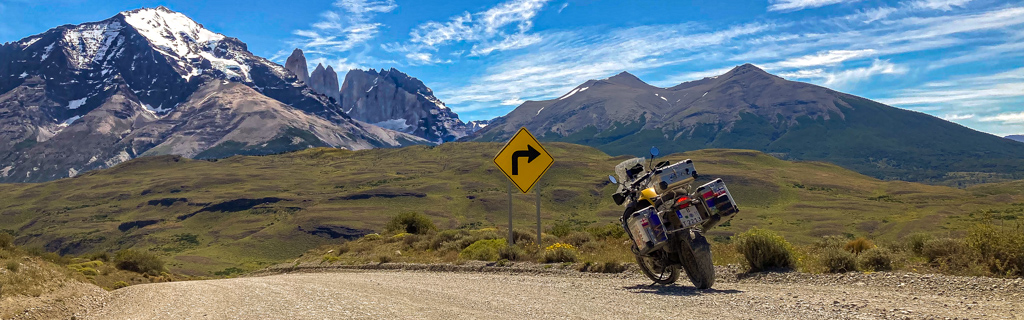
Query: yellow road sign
column 523, row 160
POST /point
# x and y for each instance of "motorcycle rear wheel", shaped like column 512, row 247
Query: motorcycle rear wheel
column 695, row 256
column 657, row 271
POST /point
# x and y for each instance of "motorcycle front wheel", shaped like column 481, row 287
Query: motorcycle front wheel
column 657, row 271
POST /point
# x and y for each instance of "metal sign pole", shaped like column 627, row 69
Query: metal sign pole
column 538, row 217
column 510, row 239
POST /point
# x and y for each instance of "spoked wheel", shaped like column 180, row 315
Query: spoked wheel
column 695, row 255
column 659, row 272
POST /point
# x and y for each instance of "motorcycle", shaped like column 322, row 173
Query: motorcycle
column 666, row 217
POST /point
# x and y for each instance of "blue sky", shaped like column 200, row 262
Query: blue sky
column 961, row 60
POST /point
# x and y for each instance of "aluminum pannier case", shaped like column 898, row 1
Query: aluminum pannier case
column 717, row 202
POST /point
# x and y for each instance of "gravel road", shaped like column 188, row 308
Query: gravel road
column 342, row 294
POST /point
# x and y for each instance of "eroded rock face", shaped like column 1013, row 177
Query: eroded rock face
column 394, row 100
column 325, row 81
column 296, row 63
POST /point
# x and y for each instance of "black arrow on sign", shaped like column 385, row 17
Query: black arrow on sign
column 529, row 154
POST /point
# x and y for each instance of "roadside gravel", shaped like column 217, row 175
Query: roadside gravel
column 531, row 292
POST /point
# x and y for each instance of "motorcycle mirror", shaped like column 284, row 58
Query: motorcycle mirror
column 612, row 179
column 654, row 152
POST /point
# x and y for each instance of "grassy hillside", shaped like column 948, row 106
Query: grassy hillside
column 247, row 212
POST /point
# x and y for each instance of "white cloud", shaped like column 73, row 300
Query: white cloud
column 847, row 77
column 944, row 5
column 967, row 91
column 564, row 5
column 691, row 76
column 794, row 5
column 502, row 27
column 955, row 117
column 871, row 15
column 512, row 102
column 826, row 58
column 343, row 29
column 1006, row 118
column 855, row 75
column 563, row 60
column 514, row 41
column 340, row 65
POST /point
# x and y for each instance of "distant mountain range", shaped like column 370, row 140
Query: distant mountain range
column 1016, row 137
column 153, row 81
column 748, row 108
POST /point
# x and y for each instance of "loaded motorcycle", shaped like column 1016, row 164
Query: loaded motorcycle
column 665, row 217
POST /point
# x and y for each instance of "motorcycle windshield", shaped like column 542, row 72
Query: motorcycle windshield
column 620, row 169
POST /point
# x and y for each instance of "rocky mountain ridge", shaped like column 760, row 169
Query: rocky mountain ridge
column 386, row 98
column 748, row 108
column 81, row 97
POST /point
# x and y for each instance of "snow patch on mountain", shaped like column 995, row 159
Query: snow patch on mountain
column 71, row 120
column 434, row 100
column 46, row 53
column 74, row 104
column 574, row 91
column 394, row 124
column 90, row 43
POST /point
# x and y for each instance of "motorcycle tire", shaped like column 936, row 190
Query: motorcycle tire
column 650, row 269
column 695, row 256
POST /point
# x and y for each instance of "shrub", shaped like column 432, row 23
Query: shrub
column 372, row 237
column 512, row 253
column 48, row 256
column 329, row 258
column 560, row 252
column 524, row 236
column 139, row 261
column 858, row 245
column 1001, row 249
column 89, row 271
column 6, row 240
column 99, row 256
column 485, row 250
column 837, row 260
column 916, row 242
column 611, row 230
column 384, row 258
column 13, row 266
column 875, row 259
column 548, row 239
column 446, row 236
column 577, row 238
column 764, row 250
column 120, row 284
column 950, row 255
column 410, row 222
column 830, row 242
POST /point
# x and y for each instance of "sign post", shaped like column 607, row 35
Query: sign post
column 523, row 160
column 539, row 244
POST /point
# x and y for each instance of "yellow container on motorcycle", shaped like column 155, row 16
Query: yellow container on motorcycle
column 649, row 195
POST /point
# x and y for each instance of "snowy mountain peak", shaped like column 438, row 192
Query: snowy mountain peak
column 171, row 30
column 185, row 42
